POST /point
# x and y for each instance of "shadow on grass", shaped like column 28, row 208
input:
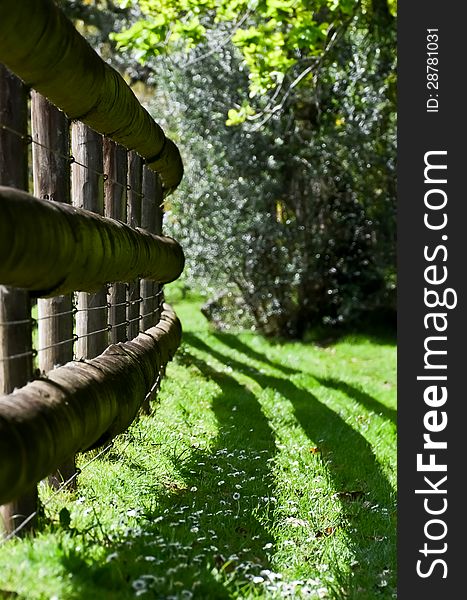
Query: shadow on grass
column 379, row 328
column 349, row 390
column 236, row 344
column 353, row 467
column 211, row 525
column 361, row 397
column 209, row 537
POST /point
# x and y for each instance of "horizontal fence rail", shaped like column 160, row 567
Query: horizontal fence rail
column 78, row 364
column 52, row 248
column 79, row 406
column 54, row 59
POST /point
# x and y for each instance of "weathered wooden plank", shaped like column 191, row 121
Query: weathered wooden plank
column 115, row 188
column 51, row 173
column 88, row 192
column 151, row 220
column 50, row 131
column 16, row 356
column 81, row 405
column 135, row 190
column 158, row 201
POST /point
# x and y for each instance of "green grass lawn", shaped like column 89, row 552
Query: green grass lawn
column 267, row 470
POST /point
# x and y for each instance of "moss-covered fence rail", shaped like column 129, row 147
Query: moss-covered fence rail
column 52, row 248
column 85, row 334
column 79, row 406
column 40, row 45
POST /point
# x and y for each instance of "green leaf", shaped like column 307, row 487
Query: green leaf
column 234, row 118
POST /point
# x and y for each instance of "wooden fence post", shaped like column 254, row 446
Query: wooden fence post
column 88, row 192
column 158, row 201
column 16, row 364
column 115, row 187
column 151, row 220
column 51, row 172
column 135, row 190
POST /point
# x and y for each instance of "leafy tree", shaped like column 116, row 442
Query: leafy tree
column 285, row 114
column 282, row 42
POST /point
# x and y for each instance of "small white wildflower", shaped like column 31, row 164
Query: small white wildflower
column 138, row 584
column 193, row 489
column 257, row 579
column 194, row 529
column 221, row 482
column 236, row 496
column 112, row 556
column 267, row 546
column 238, row 486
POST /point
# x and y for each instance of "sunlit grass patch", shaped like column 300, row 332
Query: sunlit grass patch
column 267, row 470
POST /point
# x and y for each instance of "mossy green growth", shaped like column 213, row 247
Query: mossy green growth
column 266, row 470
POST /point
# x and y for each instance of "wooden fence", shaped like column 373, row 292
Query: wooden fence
column 84, row 332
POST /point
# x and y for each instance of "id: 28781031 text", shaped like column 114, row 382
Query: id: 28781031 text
column 432, row 74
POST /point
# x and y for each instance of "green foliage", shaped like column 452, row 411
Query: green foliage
column 294, row 220
column 244, row 482
column 274, row 36
column 286, row 116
